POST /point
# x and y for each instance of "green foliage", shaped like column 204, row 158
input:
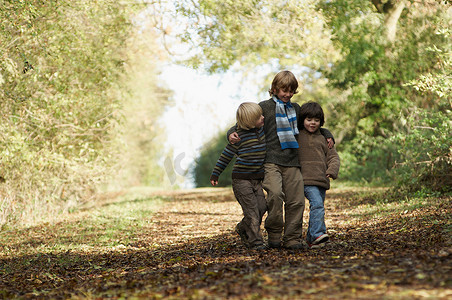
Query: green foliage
column 251, row 32
column 372, row 83
column 436, row 85
column 205, row 162
column 61, row 89
column 426, row 152
column 372, row 76
column 139, row 136
column 368, row 161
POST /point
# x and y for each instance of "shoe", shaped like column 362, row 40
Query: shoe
column 320, row 241
column 242, row 234
column 274, row 245
column 311, row 246
column 259, row 247
column 295, row 247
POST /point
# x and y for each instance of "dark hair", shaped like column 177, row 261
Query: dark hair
column 311, row 110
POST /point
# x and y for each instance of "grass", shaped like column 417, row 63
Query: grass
column 103, row 226
column 382, row 201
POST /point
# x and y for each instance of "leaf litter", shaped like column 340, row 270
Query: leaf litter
column 186, row 248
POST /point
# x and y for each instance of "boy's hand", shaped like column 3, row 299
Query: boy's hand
column 214, row 182
column 234, row 138
column 329, row 141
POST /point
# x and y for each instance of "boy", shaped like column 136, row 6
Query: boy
column 283, row 180
column 318, row 164
column 247, row 173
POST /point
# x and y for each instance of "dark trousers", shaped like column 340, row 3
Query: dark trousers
column 250, row 195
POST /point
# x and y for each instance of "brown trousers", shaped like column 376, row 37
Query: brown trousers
column 285, row 189
column 250, row 195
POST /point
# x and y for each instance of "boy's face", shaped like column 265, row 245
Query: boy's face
column 284, row 95
column 311, row 124
column 260, row 122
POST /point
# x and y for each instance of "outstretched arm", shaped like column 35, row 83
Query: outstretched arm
column 225, row 158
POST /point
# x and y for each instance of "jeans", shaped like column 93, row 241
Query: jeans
column 316, row 197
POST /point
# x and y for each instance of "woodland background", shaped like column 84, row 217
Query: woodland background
column 80, row 97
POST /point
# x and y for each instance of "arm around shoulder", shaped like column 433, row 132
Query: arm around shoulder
column 232, row 135
column 328, row 136
column 333, row 163
column 231, row 130
column 326, row 133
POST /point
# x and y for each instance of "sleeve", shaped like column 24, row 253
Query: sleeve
column 231, row 130
column 225, row 158
column 327, row 134
column 333, row 163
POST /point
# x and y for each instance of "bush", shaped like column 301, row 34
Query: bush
column 368, row 161
column 426, row 152
column 59, row 72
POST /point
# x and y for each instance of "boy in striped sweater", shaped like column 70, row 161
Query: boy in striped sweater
column 247, row 173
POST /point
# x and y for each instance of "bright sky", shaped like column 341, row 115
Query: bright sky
column 203, row 105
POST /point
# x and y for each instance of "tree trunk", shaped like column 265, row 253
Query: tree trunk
column 391, row 18
column 392, row 10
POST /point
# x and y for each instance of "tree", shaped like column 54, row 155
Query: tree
column 373, row 75
column 139, row 136
column 392, row 10
column 61, row 95
column 366, row 51
column 250, row 33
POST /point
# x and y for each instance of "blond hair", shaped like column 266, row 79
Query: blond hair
column 285, row 81
column 247, row 115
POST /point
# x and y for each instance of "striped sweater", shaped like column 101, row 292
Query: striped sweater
column 250, row 152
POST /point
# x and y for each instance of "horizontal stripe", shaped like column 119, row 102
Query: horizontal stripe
column 283, row 129
column 250, row 153
column 286, row 145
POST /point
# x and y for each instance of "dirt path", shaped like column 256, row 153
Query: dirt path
column 186, row 249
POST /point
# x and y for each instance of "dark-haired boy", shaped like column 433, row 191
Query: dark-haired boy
column 318, row 164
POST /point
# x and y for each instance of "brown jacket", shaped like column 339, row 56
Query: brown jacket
column 316, row 159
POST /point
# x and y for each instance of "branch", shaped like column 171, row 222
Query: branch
column 378, row 5
column 424, row 127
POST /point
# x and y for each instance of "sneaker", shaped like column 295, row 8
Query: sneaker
column 320, row 241
column 242, row 234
